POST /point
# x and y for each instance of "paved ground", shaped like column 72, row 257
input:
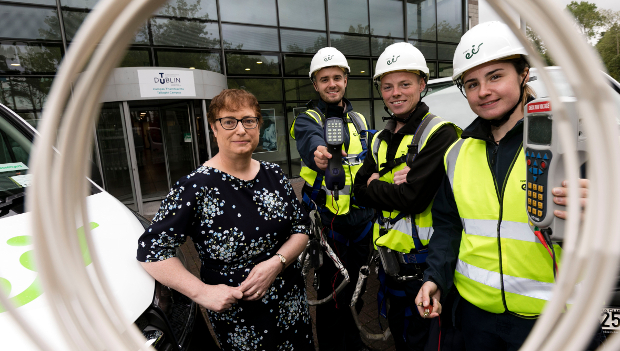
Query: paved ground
column 368, row 316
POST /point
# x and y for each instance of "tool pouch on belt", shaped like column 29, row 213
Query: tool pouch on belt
column 389, row 258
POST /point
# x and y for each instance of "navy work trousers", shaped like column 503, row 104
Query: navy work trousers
column 335, row 327
column 409, row 329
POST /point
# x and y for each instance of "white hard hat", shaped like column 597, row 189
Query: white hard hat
column 328, row 57
column 486, row 42
column 400, row 57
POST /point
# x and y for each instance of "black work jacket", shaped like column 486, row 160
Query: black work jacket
column 423, row 179
column 309, row 135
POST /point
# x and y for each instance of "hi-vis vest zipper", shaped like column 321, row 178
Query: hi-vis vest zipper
column 502, row 266
column 399, row 235
column 342, row 206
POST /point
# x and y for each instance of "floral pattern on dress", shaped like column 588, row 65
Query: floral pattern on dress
column 211, row 205
column 236, row 224
column 171, row 203
column 244, row 338
column 270, row 205
column 292, row 306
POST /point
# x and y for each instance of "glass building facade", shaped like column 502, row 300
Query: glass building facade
column 264, row 46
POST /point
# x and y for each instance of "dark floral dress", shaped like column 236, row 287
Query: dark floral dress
column 236, row 224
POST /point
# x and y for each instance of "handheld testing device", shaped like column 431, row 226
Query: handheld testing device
column 334, row 137
column 545, row 163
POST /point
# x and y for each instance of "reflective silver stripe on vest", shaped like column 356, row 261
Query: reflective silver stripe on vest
column 375, row 149
column 435, row 121
column 317, row 118
column 404, row 226
column 508, row 229
column 358, row 120
column 519, row 286
column 451, row 157
column 425, row 233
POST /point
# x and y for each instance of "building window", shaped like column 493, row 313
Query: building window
column 302, row 41
column 170, row 32
column 201, row 9
column 21, row 22
column 386, row 18
column 244, row 64
column 29, row 58
column 351, row 44
column 313, row 14
column 263, row 89
column 209, row 61
column 254, row 12
column 421, row 23
column 297, row 65
column 350, row 16
column 238, row 37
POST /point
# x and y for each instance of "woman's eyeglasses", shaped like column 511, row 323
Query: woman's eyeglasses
column 230, row 123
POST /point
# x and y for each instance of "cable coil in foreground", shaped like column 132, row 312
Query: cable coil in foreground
column 88, row 315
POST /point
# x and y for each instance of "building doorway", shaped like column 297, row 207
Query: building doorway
column 146, row 146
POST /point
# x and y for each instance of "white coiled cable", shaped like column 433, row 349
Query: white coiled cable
column 85, row 310
column 591, row 253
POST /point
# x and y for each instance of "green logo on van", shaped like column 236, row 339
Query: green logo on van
column 474, row 50
column 27, row 261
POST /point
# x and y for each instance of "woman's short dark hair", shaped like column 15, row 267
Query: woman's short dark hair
column 233, row 100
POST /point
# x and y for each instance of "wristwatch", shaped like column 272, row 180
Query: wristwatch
column 282, row 260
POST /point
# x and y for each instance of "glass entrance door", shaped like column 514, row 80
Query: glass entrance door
column 114, row 154
column 160, row 134
column 163, row 143
column 150, row 154
column 178, row 136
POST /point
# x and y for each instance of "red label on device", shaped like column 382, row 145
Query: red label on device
column 542, row 106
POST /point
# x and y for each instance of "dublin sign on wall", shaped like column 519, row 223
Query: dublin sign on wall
column 164, row 83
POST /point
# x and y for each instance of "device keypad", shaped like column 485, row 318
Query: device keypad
column 537, row 166
column 334, row 132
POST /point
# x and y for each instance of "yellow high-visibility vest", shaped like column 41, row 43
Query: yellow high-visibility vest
column 342, row 206
column 502, row 266
column 399, row 236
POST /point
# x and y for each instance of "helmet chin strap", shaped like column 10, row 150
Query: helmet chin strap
column 500, row 122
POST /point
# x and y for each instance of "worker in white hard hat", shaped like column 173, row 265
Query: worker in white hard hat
column 400, row 181
column 347, row 225
column 482, row 243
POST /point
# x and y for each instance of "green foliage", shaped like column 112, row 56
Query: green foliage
column 587, row 16
column 539, row 45
column 609, row 49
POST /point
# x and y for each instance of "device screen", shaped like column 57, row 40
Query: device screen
column 539, row 130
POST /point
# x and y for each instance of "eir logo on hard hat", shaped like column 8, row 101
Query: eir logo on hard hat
column 328, row 57
column 392, row 60
column 474, row 50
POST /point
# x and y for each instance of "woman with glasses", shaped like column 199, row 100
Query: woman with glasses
column 248, row 228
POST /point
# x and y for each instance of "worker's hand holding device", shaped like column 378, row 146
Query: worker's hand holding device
column 334, row 137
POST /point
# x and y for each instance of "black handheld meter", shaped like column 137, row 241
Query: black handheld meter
column 334, row 137
column 545, row 162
